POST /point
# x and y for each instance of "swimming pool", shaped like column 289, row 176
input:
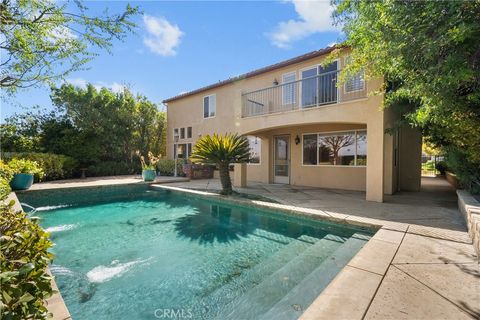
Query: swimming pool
column 138, row 253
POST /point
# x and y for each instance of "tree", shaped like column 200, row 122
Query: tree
column 222, row 150
column 429, row 53
column 43, row 40
column 336, row 143
column 98, row 128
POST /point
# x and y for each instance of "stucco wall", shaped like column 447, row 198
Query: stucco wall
column 362, row 113
column 410, row 159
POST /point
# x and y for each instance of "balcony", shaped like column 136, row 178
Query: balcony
column 303, row 94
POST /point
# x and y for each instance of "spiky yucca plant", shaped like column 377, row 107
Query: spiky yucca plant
column 222, row 150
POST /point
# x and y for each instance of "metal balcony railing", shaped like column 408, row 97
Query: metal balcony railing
column 302, row 94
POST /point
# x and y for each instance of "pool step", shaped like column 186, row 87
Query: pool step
column 256, row 274
column 265, row 295
column 297, row 300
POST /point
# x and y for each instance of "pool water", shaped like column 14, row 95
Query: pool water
column 160, row 254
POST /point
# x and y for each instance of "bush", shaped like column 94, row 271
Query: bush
column 468, row 174
column 26, row 166
column 6, row 174
column 166, row 167
column 54, row 166
column 24, row 258
column 111, row 168
column 441, row 167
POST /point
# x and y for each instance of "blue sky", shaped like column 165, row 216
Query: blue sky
column 180, row 46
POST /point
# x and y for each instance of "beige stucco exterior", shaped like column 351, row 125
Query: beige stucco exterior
column 378, row 177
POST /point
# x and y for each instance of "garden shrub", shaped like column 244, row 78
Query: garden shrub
column 6, row 174
column 467, row 173
column 111, row 168
column 166, row 167
column 24, row 258
column 26, row 166
column 54, row 166
column 441, row 167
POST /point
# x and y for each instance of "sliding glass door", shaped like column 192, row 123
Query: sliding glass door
column 319, row 85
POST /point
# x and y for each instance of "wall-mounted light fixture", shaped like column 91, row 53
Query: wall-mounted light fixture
column 275, row 82
column 297, row 139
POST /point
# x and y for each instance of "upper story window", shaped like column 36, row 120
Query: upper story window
column 175, row 133
column 182, row 133
column 189, row 132
column 319, row 85
column 355, row 82
column 288, row 88
column 209, row 106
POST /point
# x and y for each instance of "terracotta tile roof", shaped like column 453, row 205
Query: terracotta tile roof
column 256, row 72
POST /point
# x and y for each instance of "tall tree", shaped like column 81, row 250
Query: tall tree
column 429, row 53
column 43, row 40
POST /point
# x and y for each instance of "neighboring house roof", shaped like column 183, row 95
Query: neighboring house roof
column 253, row 73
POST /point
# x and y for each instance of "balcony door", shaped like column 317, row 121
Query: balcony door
column 319, row 85
column 281, row 159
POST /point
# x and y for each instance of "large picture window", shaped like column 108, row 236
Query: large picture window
column 255, row 149
column 337, row 149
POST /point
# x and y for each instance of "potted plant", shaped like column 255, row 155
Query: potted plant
column 149, row 171
column 23, row 173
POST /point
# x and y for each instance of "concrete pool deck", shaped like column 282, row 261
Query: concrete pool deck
column 421, row 264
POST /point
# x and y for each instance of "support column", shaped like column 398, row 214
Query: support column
column 375, row 154
column 240, row 175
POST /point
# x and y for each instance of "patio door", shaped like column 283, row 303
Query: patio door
column 281, row 159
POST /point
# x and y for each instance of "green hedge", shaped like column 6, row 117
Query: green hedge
column 166, row 167
column 111, row 168
column 54, row 166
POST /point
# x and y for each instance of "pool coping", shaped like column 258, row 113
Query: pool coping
column 350, row 293
column 55, row 304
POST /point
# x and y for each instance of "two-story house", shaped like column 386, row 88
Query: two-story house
column 304, row 127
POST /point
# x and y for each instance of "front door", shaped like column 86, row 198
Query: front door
column 281, row 159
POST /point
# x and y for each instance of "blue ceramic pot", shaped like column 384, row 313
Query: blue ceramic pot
column 21, row 181
column 148, row 175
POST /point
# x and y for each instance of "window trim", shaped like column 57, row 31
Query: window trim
column 283, row 84
column 203, row 106
column 332, row 165
column 339, row 68
column 184, row 133
column 260, row 157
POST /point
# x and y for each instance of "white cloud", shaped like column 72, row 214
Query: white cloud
column 82, row 83
column 313, row 17
column 163, row 37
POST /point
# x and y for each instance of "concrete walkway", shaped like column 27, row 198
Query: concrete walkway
column 431, row 269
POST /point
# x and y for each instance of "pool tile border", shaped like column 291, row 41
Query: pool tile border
column 351, row 292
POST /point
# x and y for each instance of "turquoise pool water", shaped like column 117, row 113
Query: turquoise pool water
column 156, row 254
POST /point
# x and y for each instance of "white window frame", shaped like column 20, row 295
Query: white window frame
column 300, row 86
column 184, row 133
column 294, row 73
column 260, row 153
column 209, row 105
column 355, row 131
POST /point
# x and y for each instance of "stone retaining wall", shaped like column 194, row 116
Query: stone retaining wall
column 470, row 208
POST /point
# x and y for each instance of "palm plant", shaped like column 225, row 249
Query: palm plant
column 222, row 150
